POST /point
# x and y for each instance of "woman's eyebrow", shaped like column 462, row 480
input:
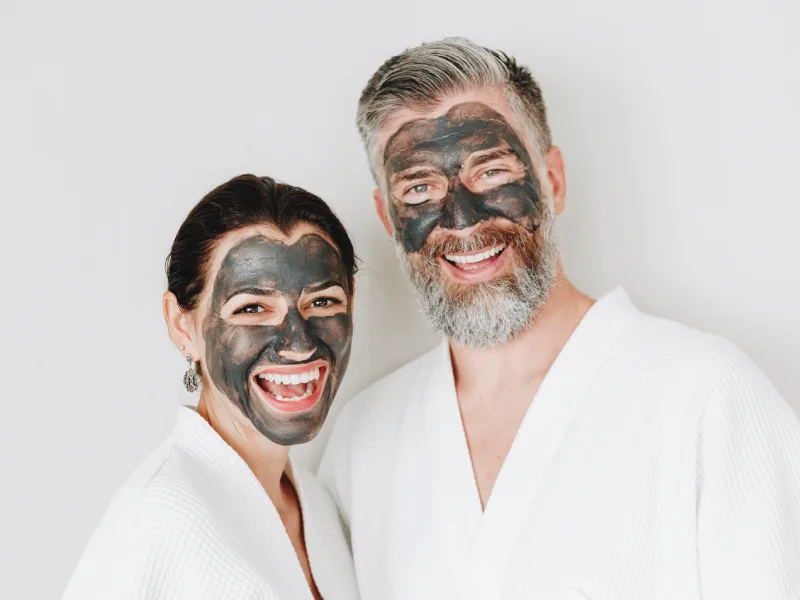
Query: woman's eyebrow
column 318, row 287
column 253, row 291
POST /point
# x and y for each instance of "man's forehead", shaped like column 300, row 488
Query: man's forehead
column 472, row 122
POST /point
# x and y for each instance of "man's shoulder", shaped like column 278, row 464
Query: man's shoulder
column 390, row 389
column 669, row 349
column 376, row 410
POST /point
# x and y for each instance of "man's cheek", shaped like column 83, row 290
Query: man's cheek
column 414, row 224
column 513, row 201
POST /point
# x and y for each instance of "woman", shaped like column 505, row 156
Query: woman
column 260, row 294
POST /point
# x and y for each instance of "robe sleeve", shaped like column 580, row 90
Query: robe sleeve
column 748, row 520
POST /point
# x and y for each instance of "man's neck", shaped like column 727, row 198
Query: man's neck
column 495, row 386
column 529, row 356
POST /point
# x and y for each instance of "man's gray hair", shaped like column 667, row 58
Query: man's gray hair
column 421, row 77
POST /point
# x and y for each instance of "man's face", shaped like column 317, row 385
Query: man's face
column 466, row 208
column 277, row 331
column 457, row 171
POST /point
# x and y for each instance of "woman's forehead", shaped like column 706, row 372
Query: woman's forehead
column 261, row 254
column 270, row 232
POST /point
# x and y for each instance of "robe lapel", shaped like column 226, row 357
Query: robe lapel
column 328, row 551
column 541, row 431
column 457, row 500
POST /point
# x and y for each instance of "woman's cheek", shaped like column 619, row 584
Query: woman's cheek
column 335, row 331
column 241, row 345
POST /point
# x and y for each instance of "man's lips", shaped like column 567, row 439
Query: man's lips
column 477, row 266
column 463, row 259
column 291, row 388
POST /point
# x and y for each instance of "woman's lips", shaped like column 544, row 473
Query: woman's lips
column 292, row 388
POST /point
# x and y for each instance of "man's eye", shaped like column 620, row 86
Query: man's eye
column 250, row 309
column 492, row 172
column 324, row 302
column 418, row 193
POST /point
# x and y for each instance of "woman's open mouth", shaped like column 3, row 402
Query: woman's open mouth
column 292, row 388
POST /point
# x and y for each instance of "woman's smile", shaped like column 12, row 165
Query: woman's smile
column 291, row 388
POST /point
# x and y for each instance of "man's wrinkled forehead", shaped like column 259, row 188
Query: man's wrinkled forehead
column 471, row 127
column 263, row 262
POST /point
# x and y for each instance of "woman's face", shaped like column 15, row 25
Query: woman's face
column 275, row 322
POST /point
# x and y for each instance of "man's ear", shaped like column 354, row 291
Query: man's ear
column 558, row 178
column 380, row 207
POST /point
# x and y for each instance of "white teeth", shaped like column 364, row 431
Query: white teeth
column 307, row 393
column 473, row 258
column 293, row 379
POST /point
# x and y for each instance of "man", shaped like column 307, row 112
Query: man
column 553, row 446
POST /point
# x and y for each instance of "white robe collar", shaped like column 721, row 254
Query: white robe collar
column 480, row 540
column 195, row 433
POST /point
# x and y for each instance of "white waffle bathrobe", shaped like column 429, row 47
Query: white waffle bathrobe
column 655, row 462
column 193, row 523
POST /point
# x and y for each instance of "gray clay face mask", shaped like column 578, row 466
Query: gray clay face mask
column 442, row 147
column 262, row 266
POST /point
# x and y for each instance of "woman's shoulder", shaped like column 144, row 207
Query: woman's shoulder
column 156, row 515
column 155, row 492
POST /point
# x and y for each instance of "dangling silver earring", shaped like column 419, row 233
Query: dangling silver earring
column 191, row 380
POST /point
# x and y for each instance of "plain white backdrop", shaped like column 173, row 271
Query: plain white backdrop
column 678, row 120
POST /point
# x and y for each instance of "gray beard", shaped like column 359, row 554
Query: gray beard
column 493, row 312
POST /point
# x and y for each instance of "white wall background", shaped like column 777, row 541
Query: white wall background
column 679, row 122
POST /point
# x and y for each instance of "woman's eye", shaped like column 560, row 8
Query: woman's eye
column 250, row 309
column 324, row 302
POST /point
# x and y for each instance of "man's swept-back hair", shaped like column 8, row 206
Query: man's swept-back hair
column 421, row 77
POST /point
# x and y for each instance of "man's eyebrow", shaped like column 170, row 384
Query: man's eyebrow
column 414, row 173
column 318, row 287
column 476, row 159
column 254, row 291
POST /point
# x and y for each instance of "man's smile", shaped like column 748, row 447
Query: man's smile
column 477, row 266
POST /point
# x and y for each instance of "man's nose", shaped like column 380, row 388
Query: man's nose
column 462, row 210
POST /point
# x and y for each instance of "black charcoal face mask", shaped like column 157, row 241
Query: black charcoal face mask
column 443, row 145
column 260, row 265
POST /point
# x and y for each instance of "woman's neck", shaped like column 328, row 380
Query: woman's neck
column 268, row 461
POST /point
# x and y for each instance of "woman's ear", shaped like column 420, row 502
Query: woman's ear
column 179, row 324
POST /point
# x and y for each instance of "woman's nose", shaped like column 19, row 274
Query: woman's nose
column 297, row 342
column 296, row 356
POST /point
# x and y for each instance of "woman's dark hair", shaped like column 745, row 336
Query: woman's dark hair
column 243, row 201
